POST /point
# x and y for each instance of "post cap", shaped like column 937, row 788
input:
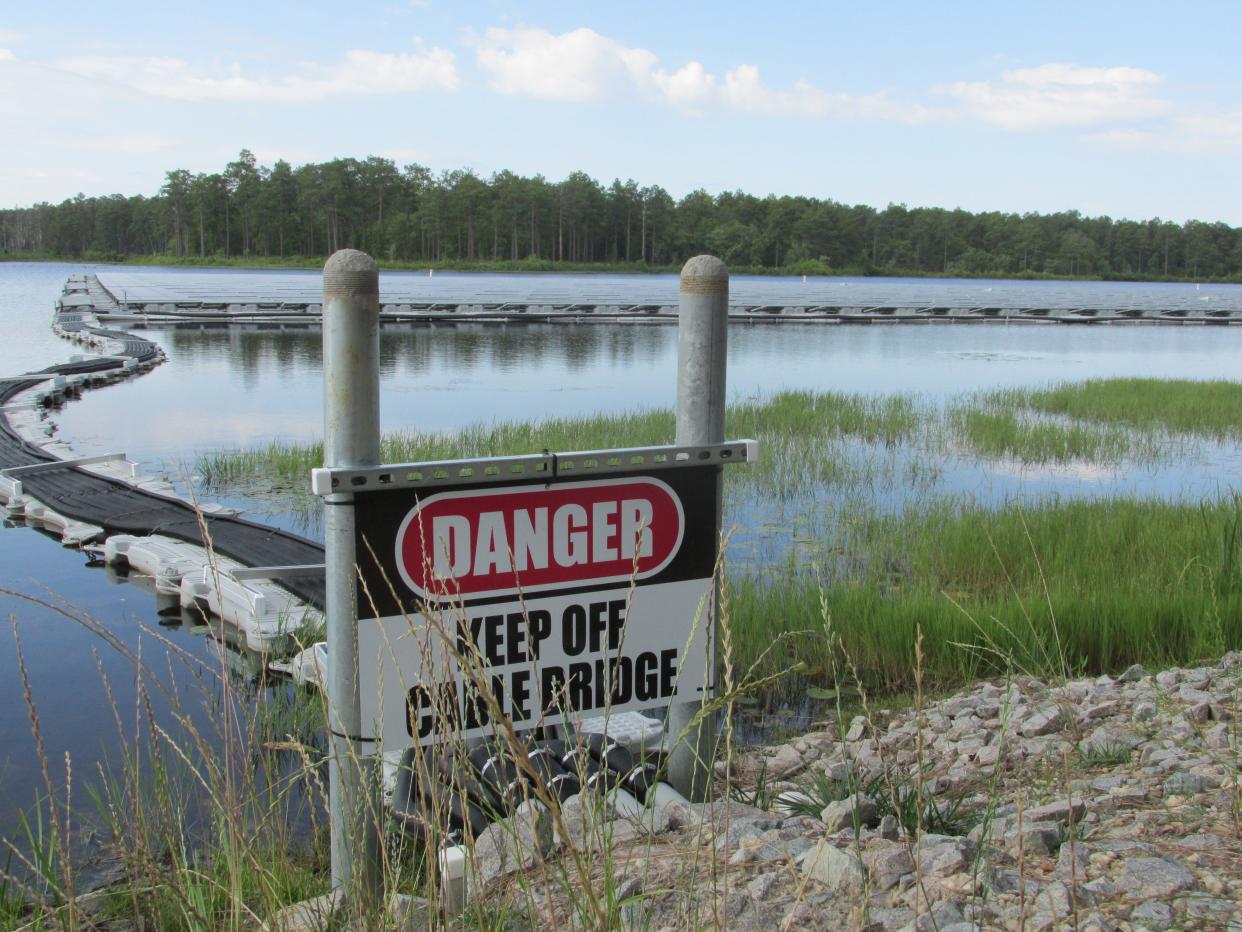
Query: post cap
column 350, row 272
column 704, row 275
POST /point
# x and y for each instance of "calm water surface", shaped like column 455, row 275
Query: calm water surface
column 230, row 389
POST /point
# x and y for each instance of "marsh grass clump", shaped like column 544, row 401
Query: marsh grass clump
column 1095, row 585
column 999, row 432
column 1208, row 408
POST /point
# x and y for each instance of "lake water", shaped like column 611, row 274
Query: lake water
column 230, row 389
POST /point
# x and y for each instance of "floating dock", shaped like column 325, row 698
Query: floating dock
column 198, row 555
column 294, row 299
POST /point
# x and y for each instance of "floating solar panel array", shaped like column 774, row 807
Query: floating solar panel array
column 275, row 296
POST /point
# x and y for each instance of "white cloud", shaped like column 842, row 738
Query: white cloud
column 690, row 87
column 1055, row 95
column 579, row 66
column 7, row 55
column 584, row 66
column 1196, row 133
column 745, row 90
column 359, row 72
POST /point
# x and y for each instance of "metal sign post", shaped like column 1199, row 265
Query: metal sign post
column 351, row 439
column 702, row 356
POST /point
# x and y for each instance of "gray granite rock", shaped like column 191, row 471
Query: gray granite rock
column 518, row 841
column 761, row 885
column 856, row 811
column 1153, row 878
column 940, row 856
column 1182, row 784
column 839, row 871
column 1153, row 913
column 886, row 866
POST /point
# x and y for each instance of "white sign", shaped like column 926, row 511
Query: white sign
column 537, row 659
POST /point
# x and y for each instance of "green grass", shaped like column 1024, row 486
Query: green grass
column 799, row 432
column 1200, row 408
column 999, row 433
column 813, row 438
column 1056, row 588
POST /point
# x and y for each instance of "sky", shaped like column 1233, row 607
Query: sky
column 1127, row 109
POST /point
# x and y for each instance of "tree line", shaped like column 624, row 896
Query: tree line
column 411, row 215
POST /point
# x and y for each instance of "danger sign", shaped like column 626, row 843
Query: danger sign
column 536, row 599
column 489, row 542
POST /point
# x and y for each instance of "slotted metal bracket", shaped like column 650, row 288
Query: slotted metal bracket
column 546, row 466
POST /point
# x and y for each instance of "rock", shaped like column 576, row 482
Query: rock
column 1213, row 909
column 1153, row 878
column 856, row 811
column 1060, row 811
column 717, row 815
column 1041, row 838
column 1153, row 913
column 796, row 846
column 1043, row 721
column 1200, row 712
column 736, row 834
column 785, row 762
column 1132, row 674
column 1100, row 889
column 988, row 755
column 886, row 866
column 857, row 730
column 743, row 855
column 885, row 919
column 942, row 916
column 311, row 915
column 1102, row 710
column 516, row 842
column 839, row 871
column 1108, row 740
column 1218, row 736
column 411, row 913
column 1073, row 861
column 1095, row 922
column 1143, row 711
column 889, row 828
column 761, row 885
column 801, row 916
column 940, row 856
column 1182, row 784
column 1167, row 679
column 1201, row 841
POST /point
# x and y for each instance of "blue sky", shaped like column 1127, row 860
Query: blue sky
column 1128, row 109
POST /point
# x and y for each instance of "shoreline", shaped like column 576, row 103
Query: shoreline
column 544, row 267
